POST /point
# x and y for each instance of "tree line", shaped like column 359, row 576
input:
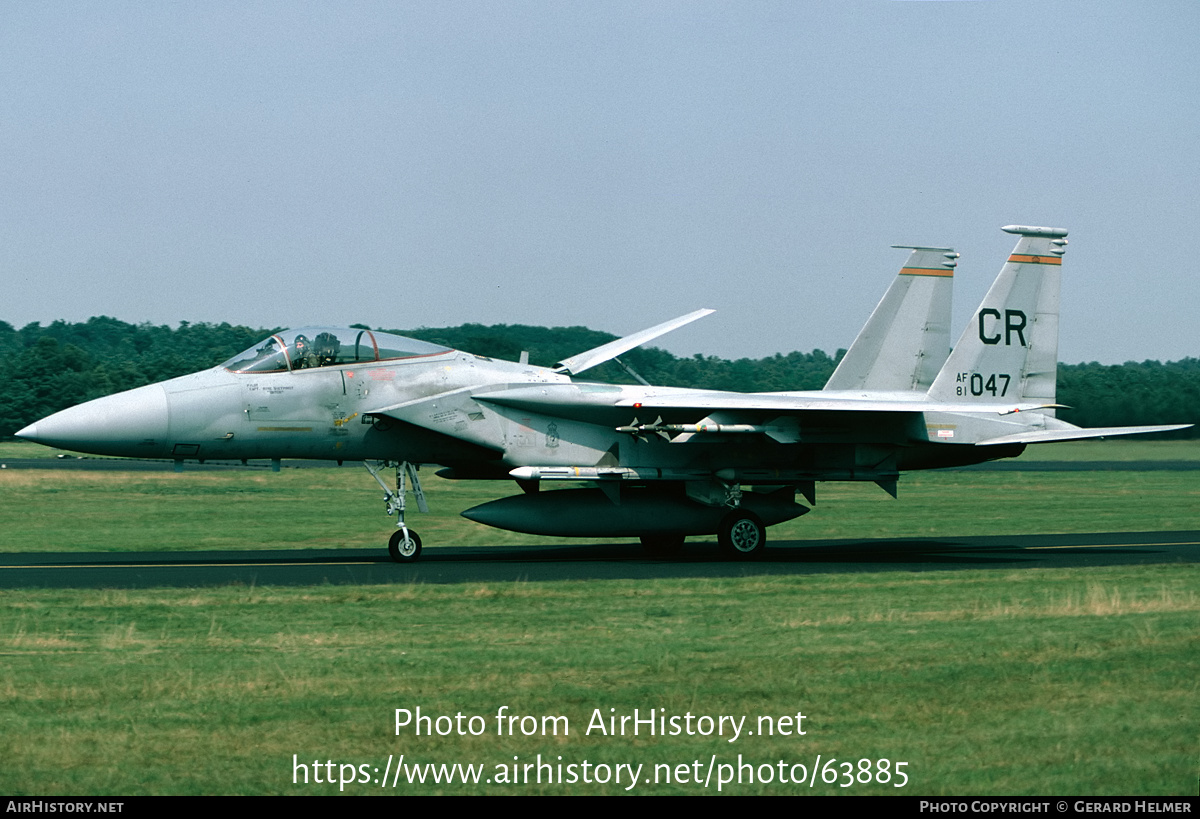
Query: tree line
column 44, row 369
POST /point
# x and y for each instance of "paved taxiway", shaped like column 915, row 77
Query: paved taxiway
column 580, row 561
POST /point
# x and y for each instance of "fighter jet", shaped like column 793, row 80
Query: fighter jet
column 658, row 463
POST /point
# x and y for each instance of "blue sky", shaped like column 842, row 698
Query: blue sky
column 604, row 164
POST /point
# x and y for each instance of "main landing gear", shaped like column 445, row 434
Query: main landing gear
column 742, row 535
column 405, row 545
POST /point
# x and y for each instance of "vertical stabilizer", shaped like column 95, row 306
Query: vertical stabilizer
column 907, row 338
column 1009, row 348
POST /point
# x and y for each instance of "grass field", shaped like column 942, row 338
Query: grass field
column 52, row 510
column 983, row 682
column 1002, row 682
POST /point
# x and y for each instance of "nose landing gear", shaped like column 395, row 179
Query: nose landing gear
column 405, row 545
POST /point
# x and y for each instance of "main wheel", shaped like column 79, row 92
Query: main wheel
column 667, row 545
column 402, row 550
column 742, row 534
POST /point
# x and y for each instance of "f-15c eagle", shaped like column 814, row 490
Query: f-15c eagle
column 659, row 463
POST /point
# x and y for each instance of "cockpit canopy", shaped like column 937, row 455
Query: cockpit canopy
column 310, row 347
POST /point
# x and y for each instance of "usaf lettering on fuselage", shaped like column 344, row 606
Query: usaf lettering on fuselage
column 1014, row 324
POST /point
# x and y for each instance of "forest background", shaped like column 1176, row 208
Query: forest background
column 46, row 369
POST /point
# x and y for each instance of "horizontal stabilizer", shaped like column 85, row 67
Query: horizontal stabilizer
column 605, row 352
column 1046, row 436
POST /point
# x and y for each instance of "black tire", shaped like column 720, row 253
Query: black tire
column 742, row 535
column 668, row 545
column 402, row 552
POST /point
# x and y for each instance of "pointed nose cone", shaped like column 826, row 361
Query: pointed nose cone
column 130, row 424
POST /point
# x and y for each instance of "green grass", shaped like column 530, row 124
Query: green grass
column 1028, row 682
column 25, row 449
column 52, row 510
column 994, row 682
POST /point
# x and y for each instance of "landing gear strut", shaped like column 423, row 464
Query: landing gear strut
column 404, row 545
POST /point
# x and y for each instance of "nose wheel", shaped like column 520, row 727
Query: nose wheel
column 404, row 545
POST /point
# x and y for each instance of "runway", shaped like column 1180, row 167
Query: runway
column 582, row 561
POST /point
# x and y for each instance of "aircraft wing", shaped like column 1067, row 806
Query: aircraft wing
column 601, row 403
column 585, row 361
column 461, row 413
